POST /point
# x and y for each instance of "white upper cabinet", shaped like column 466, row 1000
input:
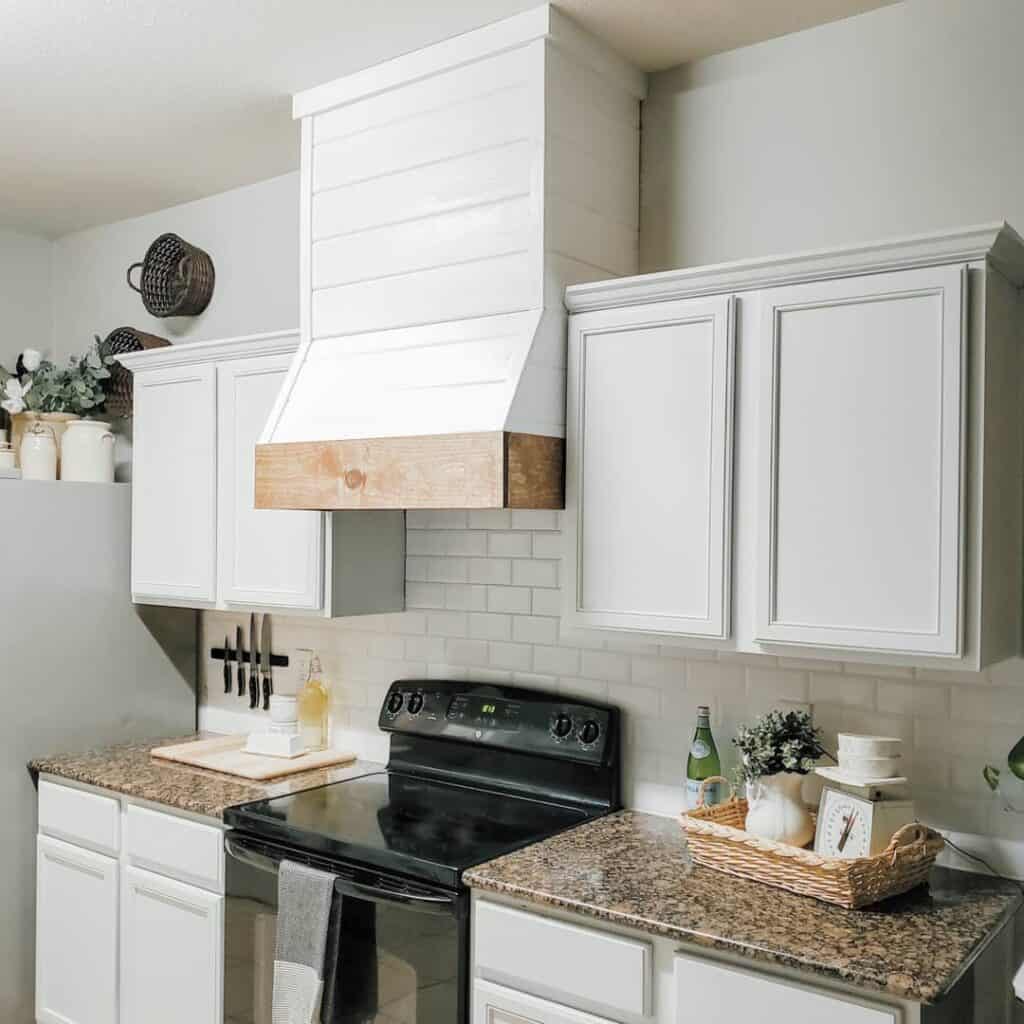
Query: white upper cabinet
column 650, row 465
column 197, row 538
column 861, row 416
column 266, row 557
column 174, row 501
column 856, row 497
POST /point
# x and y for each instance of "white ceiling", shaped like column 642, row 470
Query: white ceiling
column 113, row 108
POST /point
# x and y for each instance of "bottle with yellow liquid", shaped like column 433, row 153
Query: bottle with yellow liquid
column 313, row 703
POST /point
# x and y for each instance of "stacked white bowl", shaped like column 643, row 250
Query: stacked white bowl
column 870, row 758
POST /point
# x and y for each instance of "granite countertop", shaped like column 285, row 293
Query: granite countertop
column 633, row 869
column 129, row 769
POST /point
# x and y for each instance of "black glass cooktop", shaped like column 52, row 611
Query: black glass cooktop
column 406, row 824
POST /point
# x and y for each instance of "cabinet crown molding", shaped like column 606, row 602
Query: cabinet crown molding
column 217, row 350
column 998, row 243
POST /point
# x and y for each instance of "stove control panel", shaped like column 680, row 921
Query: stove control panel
column 487, row 715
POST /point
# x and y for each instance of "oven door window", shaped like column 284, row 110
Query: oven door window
column 387, row 963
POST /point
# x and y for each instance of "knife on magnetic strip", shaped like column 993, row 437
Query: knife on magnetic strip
column 266, row 671
column 240, row 669
column 254, row 679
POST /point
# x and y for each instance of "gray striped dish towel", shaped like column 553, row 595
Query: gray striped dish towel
column 303, row 911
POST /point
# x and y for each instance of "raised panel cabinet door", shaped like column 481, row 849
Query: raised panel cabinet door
column 495, row 1004
column 174, row 501
column 711, row 993
column 649, row 475
column 861, row 463
column 171, row 952
column 266, row 556
column 76, row 935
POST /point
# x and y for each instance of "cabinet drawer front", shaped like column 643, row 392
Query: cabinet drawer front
column 649, row 478
column 182, row 849
column 494, row 1004
column 86, row 819
column 582, row 966
column 707, row 991
column 860, row 463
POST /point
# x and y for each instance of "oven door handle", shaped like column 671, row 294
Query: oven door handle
column 422, row 902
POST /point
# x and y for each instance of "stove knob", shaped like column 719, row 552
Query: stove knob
column 395, row 702
column 415, row 703
column 589, row 732
column 561, row 725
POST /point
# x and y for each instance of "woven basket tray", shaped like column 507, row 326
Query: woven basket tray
column 717, row 839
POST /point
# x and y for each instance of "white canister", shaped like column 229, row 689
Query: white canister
column 38, row 453
column 87, row 452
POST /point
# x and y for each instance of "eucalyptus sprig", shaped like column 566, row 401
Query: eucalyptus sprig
column 777, row 742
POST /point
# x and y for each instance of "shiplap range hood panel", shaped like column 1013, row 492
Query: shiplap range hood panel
column 448, row 198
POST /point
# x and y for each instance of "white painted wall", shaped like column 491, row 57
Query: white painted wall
column 902, row 120
column 252, row 233
column 25, row 294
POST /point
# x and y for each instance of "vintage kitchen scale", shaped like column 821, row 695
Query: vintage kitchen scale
column 868, row 800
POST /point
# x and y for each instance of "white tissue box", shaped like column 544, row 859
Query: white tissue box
column 275, row 744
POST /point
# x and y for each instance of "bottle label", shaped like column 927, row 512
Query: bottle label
column 712, row 793
column 699, row 749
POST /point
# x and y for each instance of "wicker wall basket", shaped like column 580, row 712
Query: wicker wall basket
column 117, row 342
column 176, row 278
column 717, row 839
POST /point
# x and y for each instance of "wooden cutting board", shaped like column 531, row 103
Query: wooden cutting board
column 226, row 754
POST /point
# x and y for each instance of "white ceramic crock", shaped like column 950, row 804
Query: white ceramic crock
column 776, row 810
column 38, row 453
column 87, row 452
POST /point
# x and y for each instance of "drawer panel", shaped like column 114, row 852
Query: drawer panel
column 563, row 961
column 175, row 847
column 85, row 819
column 708, row 991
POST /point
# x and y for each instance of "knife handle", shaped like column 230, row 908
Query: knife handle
column 227, row 673
column 241, row 675
column 254, row 689
column 266, row 693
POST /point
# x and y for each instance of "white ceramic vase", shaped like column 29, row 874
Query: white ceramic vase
column 87, row 452
column 777, row 811
column 38, row 453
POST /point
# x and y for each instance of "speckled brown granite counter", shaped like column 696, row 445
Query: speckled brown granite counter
column 129, row 769
column 633, row 869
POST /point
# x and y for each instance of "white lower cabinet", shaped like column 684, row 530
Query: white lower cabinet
column 494, row 1004
column 171, row 951
column 76, row 934
column 557, row 968
column 711, row 993
column 117, row 943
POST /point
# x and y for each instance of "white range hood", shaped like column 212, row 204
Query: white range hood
column 448, row 198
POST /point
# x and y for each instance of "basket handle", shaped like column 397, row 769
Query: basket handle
column 714, row 778
column 128, row 277
column 910, row 835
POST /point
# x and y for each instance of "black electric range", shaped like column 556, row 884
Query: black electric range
column 475, row 771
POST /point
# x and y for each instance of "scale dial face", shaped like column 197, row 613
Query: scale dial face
column 844, row 825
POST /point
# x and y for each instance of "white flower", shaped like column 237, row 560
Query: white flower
column 30, row 359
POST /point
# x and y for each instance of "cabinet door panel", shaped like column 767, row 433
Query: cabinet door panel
column 267, row 557
column 495, row 1004
column 76, row 935
column 861, row 462
column 174, row 507
column 172, row 952
column 712, row 993
column 650, row 467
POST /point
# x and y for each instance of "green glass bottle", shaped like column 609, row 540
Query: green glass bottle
column 702, row 763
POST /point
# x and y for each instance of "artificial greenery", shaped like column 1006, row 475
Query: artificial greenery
column 777, row 742
column 39, row 385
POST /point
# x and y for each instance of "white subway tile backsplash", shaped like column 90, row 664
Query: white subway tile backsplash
column 484, row 603
column 488, row 626
column 535, row 573
column 509, row 545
